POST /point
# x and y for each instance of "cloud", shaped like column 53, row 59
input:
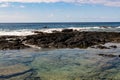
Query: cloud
column 115, row 3
column 102, row 17
column 22, row 6
column 7, row 4
column 4, row 5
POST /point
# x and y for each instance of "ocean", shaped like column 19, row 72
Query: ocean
column 21, row 29
column 59, row 64
column 17, row 26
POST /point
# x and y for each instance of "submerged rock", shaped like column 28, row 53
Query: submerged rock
column 108, row 55
column 113, row 46
column 8, row 72
column 102, row 47
column 33, row 78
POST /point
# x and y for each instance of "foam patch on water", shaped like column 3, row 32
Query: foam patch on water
column 16, row 32
column 118, row 27
column 50, row 30
column 26, row 32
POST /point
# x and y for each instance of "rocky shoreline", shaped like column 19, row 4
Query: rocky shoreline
column 67, row 38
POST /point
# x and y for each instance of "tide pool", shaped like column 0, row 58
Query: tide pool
column 59, row 64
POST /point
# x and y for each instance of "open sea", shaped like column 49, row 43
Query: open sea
column 59, row 64
column 28, row 28
column 16, row 26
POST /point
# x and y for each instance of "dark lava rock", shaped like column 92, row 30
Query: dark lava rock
column 102, row 47
column 11, row 43
column 55, row 31
column 68, row 38
column 108, row 55
column 113, row 46
column 67, row 30
column 45, row 27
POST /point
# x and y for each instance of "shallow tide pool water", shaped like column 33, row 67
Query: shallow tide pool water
column 59, row 64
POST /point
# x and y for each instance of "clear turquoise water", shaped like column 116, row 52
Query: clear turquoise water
column 64, row 64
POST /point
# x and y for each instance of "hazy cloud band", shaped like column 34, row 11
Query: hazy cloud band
column 115, row 3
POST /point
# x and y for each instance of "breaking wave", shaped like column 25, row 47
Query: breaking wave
column 25, row 32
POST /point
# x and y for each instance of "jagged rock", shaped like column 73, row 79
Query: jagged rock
column 7, row 44
column 102, row 47
column 108, row 55
column 68, row 38
column 67, row 30
column 113, row 46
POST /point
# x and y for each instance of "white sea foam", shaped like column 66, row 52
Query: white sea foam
column 25, row 32
column 16, row 32
column 74, row 28
column 32, row 46
column 50, row 30
column 118, row 27
column 84, row 28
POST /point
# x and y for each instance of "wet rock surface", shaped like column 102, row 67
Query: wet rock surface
column 108, row 55
column 11, row 42
column 67, row 38
column 104, row 47
column 113, row 46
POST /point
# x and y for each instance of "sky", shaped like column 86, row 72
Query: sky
column 59, row 11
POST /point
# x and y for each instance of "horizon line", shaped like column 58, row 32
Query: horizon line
column 66, row 22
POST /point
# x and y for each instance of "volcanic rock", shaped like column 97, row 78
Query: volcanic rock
column 67, row 38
